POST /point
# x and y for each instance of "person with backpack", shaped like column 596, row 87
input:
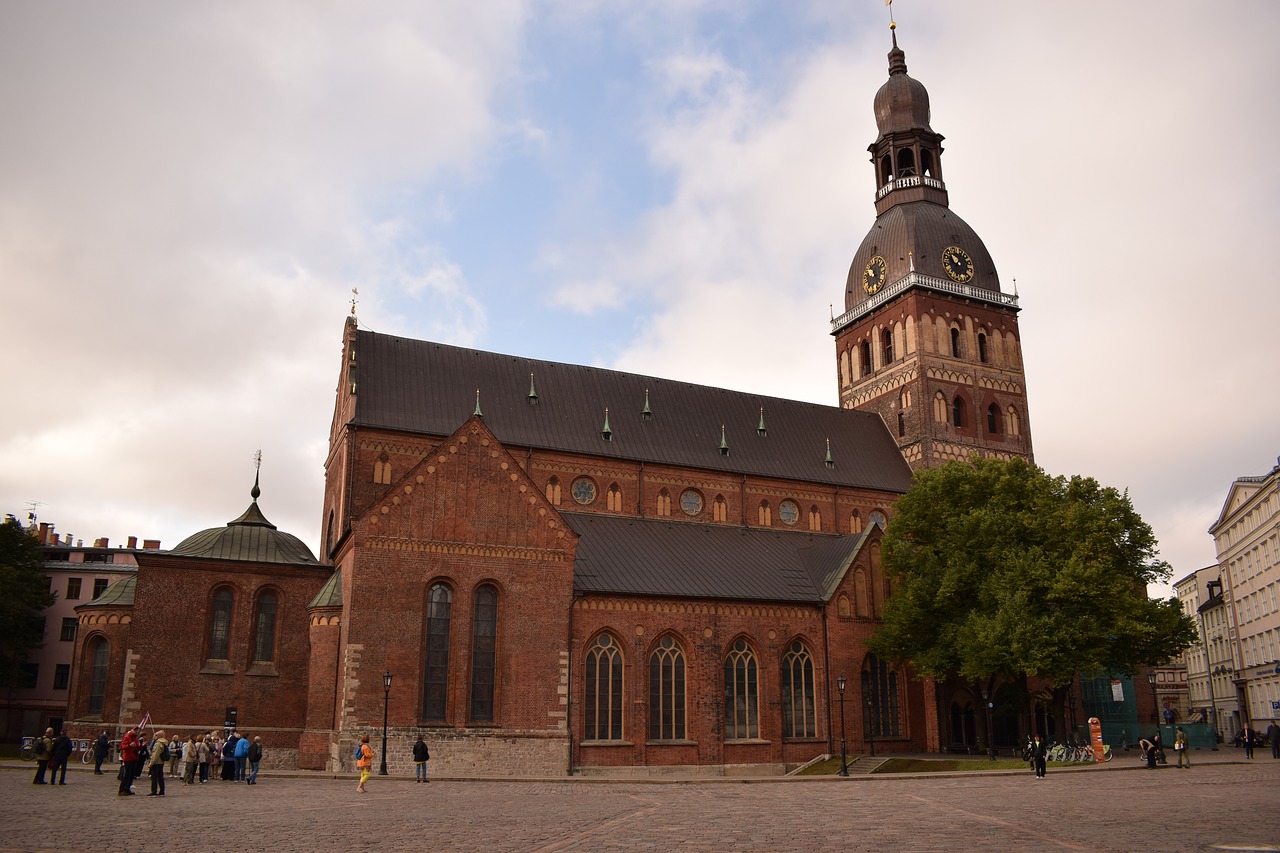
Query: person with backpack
column 421, row 755
column 364, row 762
column 43, row 747
column 159, row 758
column 255, row 757
column 62, row 749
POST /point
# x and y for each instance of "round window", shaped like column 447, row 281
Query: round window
column 789, row 512
column 691, row 502
column 584, row 490
column 877, row 517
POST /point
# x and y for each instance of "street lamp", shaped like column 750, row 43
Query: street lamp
column 991, row 747
column 386, row 697
column 844, row 764
column 1155, row 703
column 871, row 723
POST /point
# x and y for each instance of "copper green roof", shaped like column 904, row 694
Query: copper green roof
column 119, row 594
column 330, row 595
column 250, row 538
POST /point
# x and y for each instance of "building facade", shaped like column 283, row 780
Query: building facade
column 1192, row 592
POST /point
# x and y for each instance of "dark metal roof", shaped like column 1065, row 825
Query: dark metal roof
column 330, row 595
column 425, row 387
column 118, row 594
column 636, row 556
column 250, row 538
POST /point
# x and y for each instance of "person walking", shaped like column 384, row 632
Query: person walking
column 43, row 747
column 1039, row 756
column 364, row 763
column 62, row 749
column 241, row 759
column 1273, row 735
column 100, row 749
column 255, row 758
column 421, row 755
column 159, row 758
column 1248, row 738
column 1183, row 748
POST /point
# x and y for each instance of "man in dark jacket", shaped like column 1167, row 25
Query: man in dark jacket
column 1039, row 756
column 62, row 749
column 254, row 756
column 100, row 749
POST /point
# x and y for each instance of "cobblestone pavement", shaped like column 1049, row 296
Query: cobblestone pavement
column 1211, row 807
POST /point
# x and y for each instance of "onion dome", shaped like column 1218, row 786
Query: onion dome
column 902, row 104
column 250, row 538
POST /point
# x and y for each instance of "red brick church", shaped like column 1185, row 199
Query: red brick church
column 564, row 569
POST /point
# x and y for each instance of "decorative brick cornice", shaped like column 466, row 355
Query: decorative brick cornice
column 539, row 555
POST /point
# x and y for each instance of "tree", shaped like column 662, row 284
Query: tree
column 1001, row 572
column 26, row 595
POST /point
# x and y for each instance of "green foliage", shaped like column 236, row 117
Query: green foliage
column 25, row 596
column 1000, row 570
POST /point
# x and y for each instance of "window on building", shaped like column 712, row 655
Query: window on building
column 664, row 504
column 940, row 408
column 957, row 412
column 1012, row 424
column 955, row 342
column 484, row 654
column 61, row 676
column 886, row 342
column 993, row 419
column 73, row 589
column 666, row 691
column 100, row 655
column 220, row 625
column 264, row 628
column 982, row 347
column 855, row 522
column 553, row 491
column 741, row 693
column 815, row 518
column 902, row 425
column 100, row 586
column 719, row 509
column 864, row 358
column 614, row 498
column 765, row 515
column 435, row 682
column 799, row 710
column 602, row 709
column 68, row 629
column 880, row 693
column 382, row 470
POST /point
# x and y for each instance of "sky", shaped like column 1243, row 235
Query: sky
column 190, row 192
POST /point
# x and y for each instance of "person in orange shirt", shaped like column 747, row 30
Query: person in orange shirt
column 365, row 763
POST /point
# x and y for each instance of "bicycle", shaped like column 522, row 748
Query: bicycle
column 87, row 752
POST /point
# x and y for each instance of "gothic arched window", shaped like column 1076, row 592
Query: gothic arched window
column 264, row 628
column 435, row 677
column 602, row 702
column 666, row 691
column 741, row 693
column 220, row 624
column 484, row 654
column 799, row 714
column 100, row 655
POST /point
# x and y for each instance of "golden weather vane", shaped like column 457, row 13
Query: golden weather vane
column 355, row 291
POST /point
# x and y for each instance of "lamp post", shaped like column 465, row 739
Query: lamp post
column 871, row 724
column 991, row 747
column 844, row 763
column 1155, row 703
column 386, row 698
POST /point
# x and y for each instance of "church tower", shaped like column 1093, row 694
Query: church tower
column 927, row 339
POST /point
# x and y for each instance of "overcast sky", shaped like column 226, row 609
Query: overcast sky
column 189, row 192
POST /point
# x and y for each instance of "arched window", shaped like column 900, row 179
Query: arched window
column 553, row 491
column 906, row 162
column 435, row 677
column 902, row 425
column 844, row 368
column 940, row 408
column 719, row 509
column 842, row 606
column 880, row 694
column 765, row 514
column 799, row 714
column 328, row 534
column 382, row 470
column 982, row 347
column 741, row 693
column 220, row 624
column 993, row 418
column 264, row 628
column 100, row 657
column 886, row 340
column 664, row 504
column 926, row 163
column 886, row 169
column 855, row 522
column 860, row 593
column 905, row 398
column 864, row 358
column 955, row 342
column 602, row 706
column 815, row 518
column 666, row 691
column 877, row 517
column 1012, row 424
column 614, row 498
column 484, row 654
column 957, row 412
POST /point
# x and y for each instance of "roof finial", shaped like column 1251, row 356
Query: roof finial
column 605, row 432
column 760, row 429
column 830, row 463
column 257, row 467
column 477, row 413
column 724, row 445
column 355, row 291
column 533, row 394
column 1015, row 287
column 646, row 412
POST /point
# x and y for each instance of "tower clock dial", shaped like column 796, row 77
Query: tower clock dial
column 873, row 276
column 957, row 264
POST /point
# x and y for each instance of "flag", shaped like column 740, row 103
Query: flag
column 146, row 721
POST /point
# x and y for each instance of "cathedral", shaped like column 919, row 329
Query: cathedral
column 551, row 569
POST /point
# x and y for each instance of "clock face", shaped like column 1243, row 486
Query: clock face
column 873, row 276
column 957, row 264
column 584, row 491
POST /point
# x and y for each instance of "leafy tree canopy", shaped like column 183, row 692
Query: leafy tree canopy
column 24, row 594
column 1000, row 571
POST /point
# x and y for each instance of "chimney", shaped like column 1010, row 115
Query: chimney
column 44, row 533
column 100, row 542
column 133, row 542
column 151, row 544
